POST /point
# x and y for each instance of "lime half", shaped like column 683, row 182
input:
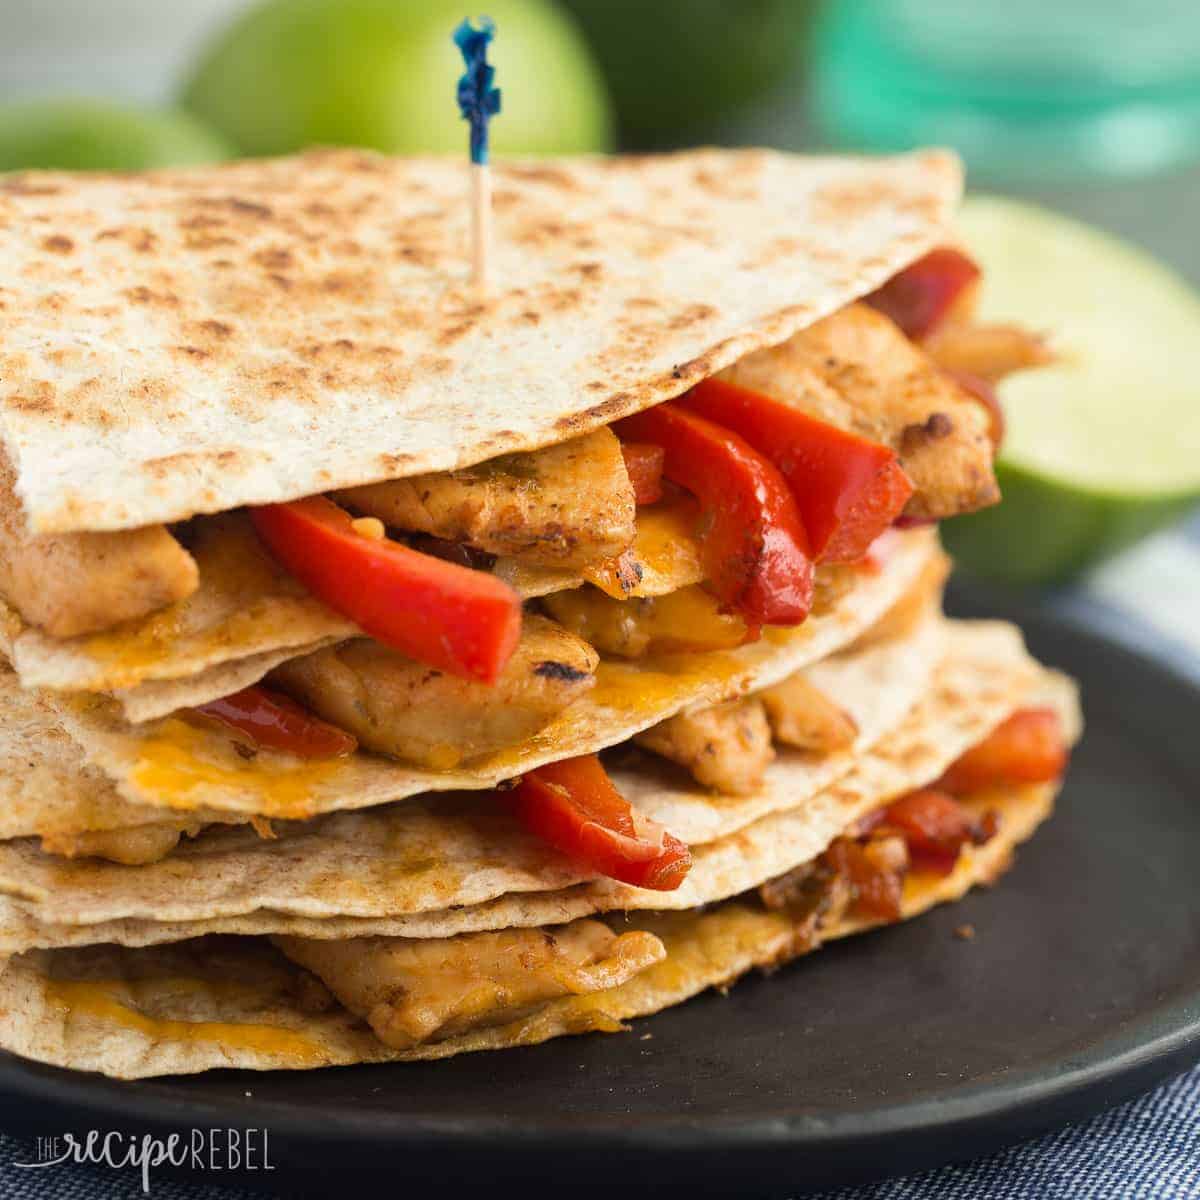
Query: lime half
column 1103, row 446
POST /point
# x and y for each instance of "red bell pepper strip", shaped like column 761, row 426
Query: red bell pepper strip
column 645, row 466
column 1027, row 748
column 573, row 805
column 458, row 620
column 849, row 489
column 276, row 722
column 919, row 297
column 936, row 827
column 752, row 536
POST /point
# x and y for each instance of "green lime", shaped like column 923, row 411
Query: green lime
column 1103, row 446
column 81, row 134
column 382, row 73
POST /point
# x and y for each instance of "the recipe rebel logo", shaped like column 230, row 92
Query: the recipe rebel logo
column 205, row 1150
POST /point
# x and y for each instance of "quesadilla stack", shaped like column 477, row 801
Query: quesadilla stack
column 395, row 670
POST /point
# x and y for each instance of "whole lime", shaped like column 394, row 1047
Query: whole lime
column 382, row 73
column 83, row 134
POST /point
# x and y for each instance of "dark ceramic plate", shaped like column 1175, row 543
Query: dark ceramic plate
column 901, row 1049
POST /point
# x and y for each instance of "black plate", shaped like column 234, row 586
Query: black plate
column 897, row 1050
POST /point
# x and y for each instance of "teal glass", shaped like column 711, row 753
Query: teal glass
column 1023, row 89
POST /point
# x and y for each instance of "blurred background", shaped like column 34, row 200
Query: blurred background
column 1086, row 108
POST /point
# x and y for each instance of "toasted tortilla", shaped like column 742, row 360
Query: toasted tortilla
column 236, row 1002
column 46, row 789
column 160, row 697
column 420, row 866
column 270, row 302
column 173, row 763
column 880, row 685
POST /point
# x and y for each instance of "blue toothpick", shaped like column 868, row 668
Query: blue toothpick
column 477, row 99
column 479, row 102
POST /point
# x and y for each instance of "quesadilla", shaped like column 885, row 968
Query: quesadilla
column 395, row 670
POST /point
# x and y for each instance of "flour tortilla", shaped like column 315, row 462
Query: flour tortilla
column 422, row 858
column 175, row 764
column 45, row 788
column 187, row 341
column 213, row 1002
column 160, row 697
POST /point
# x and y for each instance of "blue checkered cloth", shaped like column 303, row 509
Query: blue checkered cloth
column 1148, row 1148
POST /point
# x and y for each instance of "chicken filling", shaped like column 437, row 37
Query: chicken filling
column 412, row 991
column 397, row 706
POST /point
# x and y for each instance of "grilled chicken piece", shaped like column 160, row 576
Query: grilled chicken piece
column 665, row 556
column 988, row 351
column 689, row 620
column 131, row 847
column 726, row 747
column 405, row 709
column 856, row 370
column 415, row 990
column 803, row 717
column 569, row 505
column 70, row 584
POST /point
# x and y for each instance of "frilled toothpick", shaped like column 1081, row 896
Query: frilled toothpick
column 479, row 102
